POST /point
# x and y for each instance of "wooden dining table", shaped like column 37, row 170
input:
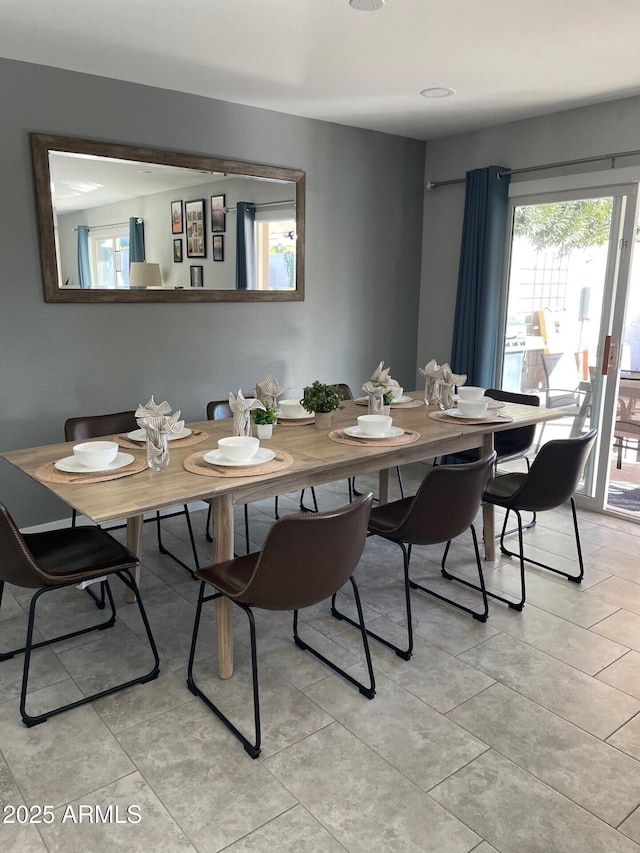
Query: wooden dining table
column 316, row 460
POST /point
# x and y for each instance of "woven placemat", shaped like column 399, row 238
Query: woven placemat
column 408, row 437
column 296, row 421
column 495, row 419
column 195, row 438
column 196, row 465
column 412, row 404
column 48, row 473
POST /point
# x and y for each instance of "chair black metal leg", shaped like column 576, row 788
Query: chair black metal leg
column 207, row 529
column 100, row 602
column 253, row 749
column 352, row 486
column 402, row 653
column 369, row 691
column 575, row 578
column 164, row 550
column 482, row 615
column 127, row 578
column 304, row 508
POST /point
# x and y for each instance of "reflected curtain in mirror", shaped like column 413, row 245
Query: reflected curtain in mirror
column 136, row 240
column 84, row 267
column 245, row 246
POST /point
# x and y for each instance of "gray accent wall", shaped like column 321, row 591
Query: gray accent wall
column 572, row 134
column 363, row 256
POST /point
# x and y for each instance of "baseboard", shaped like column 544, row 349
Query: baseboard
column 61, row 523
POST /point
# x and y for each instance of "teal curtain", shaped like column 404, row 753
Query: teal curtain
column 84, row 268
column 245, row 246
column 477, row 317
column 136, row 240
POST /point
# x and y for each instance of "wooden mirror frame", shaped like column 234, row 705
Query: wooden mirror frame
column 42, row 144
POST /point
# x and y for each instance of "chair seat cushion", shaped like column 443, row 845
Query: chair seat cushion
column 388, row 517
column 504, row 486
column 77, row 554
column 230, row 576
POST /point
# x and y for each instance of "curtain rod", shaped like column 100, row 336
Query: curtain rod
column 432, row 185
column 139, row 220
column 262, row 204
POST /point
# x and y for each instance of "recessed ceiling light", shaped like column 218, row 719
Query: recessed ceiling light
column 366, row 5
column 145, row 171
column 437, row 92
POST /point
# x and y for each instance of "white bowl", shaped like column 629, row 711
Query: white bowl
column 473, row 408
column 397, row 391
column 96, row 454
column 291, row 409
column 374, row 424
column 470, row 392
column 238, row 448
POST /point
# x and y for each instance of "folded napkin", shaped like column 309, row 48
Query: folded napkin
column 380, row 376
column 157, row 423
column 431, row 370
column 241, row 407
column 268, row 390
column 439, row 383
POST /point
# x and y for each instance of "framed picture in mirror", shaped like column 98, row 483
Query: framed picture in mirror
column 194, row 217
column 177, row 251
column 196, row 276
column 177, row 222
column 218, row 214
column 218, row 247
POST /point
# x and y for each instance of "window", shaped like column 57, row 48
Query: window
column 109, row 256
column 275, row 250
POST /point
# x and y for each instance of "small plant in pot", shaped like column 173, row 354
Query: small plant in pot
column 321, row 400
column 264, row 419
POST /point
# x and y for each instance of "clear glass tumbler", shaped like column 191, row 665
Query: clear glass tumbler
column 157, row 451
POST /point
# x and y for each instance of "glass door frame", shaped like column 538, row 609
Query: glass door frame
column 618, row 266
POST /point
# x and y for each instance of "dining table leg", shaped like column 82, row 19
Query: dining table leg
column 134, row 543
column 222, row 517
column 488, row 515
column 383, row 486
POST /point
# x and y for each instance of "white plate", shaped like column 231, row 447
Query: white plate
column 141, row 434
column 296, row 418
column 402, row 399
column 357, row 432
column 456, row 413
column 216, row 458
column 72, row 466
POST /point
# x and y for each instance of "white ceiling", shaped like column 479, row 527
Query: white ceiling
column 506, row 59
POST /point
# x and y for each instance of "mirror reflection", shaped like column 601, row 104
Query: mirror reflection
column 130, row 224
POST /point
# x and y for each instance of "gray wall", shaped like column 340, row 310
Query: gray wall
column 364, row 231
column 573, row 134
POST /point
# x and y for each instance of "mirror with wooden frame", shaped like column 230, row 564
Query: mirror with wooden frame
column 120, row 223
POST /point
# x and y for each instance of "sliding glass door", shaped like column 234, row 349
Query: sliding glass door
column 566, row 288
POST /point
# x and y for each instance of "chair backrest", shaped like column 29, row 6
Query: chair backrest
column 217, row 410
column 346, row 391
column 307, row 557
column 555, row 473
column 562, row 377
column 513, row 442
column 93, row 426
column 446, row 503
column 17, row 565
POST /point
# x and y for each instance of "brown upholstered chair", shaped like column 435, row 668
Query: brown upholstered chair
column 444, row 506
column 58, row 558
column 305, row 559
column 551, row 481
column 93, row 426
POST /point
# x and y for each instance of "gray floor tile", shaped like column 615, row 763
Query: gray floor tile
column 627, row 738
column 295, row 831
column 372, row 809
column 619, row 592
column 203, row 777
column 590, row 704
column 58, row 761
column 418, row 741
column 540, row 820
column 130, row 817
column 624, row 674
column 591, row 773
column 622, row 626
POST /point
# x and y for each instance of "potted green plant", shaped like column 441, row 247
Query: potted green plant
column 264, row 419
column 321, row 400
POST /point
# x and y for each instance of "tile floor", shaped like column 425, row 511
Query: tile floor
column 520, row 734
